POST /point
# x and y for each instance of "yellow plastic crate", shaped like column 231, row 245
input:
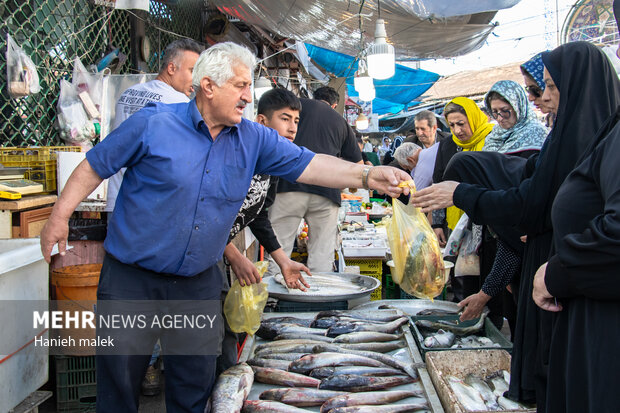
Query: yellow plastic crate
column 372, row 268
column 40, row 161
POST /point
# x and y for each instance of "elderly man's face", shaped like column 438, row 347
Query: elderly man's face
column 426, row 134
column 230, row 98
column 413, row 159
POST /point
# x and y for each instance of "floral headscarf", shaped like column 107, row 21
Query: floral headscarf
column 534, row 67
column 527, row 134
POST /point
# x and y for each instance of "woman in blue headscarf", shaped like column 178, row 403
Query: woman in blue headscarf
column 532, row 72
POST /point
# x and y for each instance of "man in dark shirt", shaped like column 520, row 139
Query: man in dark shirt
column 322, row 130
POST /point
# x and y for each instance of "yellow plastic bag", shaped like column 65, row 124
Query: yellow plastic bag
column 244, row 306
column 418, row 262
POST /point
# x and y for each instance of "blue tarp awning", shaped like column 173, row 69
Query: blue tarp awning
column 393, row 95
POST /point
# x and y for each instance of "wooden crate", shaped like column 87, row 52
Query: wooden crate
column 459, row 364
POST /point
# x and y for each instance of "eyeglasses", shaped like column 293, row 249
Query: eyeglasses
column 504, row 113
column 534, row 91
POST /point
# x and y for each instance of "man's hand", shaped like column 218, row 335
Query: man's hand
column 56, row 230
column 541, row 295
column 385, row 179
column 291, row 271
column 474, row 304
column 436, row 196
column 441, row 236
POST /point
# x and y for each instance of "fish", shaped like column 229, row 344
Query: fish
column 281, row 343
column 351, row 383
column 269, row 331
column 365, row 337
column 368, row 398
column 231, row 389
column 366, row 316
column 290, row 336
column 508, row 404
column 397, row 408
column 474, row 342
column 506, row 375
column 345, row 327
column 469, row 397
column 325, row 359
column 267, row 406
column 490, row 399
column 324, row 372
column 440, row 339
column 303, row 322
column 283, row 378
column 383, row 358
column 453, row 326
column 327, row 322
column 436, row 312
column 271, row 363
column 497, row 383
column 284, row 356
column 299, row 396
column 382, row 347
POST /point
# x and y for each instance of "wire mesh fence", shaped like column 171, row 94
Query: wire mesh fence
column 53, row 32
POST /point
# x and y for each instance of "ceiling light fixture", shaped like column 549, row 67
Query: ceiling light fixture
column 362, row 122
column 362, row 81
column 381, row 57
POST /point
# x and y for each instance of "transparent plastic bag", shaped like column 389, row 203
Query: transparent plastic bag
column 418, row 263
column 244, row 306
column 74, row 125
column 22, row 76
column 464, row 243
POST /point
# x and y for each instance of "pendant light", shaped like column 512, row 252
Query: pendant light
column 367, row 94
column 362, row 81
column 261, row 86
column 362, row 122
column 381, row 57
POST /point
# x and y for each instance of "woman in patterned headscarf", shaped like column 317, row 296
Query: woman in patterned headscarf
column 532, row 72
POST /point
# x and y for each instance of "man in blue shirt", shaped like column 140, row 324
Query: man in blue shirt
column 189, row 166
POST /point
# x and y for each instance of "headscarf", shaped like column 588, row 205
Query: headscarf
column 480, row 126
column 478, row 122
column 589, row 94
column 527, row 134
column 534, row 67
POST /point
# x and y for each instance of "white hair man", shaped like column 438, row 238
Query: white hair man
column 174, row 213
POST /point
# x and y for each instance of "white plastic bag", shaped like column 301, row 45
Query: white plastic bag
column 22, row 76
column 74, row 125
column 463, row 243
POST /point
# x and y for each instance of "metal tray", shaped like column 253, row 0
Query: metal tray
column 277, row 290
column 409, row 354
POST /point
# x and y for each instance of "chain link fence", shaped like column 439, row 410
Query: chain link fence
column 54, row 32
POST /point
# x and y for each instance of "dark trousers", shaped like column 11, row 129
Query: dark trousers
column 189, row 378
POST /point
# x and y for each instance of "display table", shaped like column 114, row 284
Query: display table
column 24, row 218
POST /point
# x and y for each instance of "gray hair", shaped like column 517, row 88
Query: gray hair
column 175, row 50
column 218, row 61
column 426, row 115
column 404, row 151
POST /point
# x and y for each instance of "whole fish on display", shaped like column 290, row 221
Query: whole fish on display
column 440, row 339
column 353, row 383
column 271, row 363
column 268, row 331
column 397, row 408
column 365, row 337
column 380, row 347
column 358, row 315
column 283, row 378
column 284, row 356
column 324, row 372
column 490, row 399
column 302, row 322
column 267, row 406
column 299, row 396
column 326, row 359
column 288, row 342
column 290, row 336
column 469, row 397
column 453, row 325
column 231, row 389
column 368, row 398
column 345, row 327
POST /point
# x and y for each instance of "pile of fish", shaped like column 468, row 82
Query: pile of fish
column 451, row 334
column 338, row 361
column 478, row 394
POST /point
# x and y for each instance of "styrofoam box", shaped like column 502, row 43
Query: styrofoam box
column 364, row 248
column 23, row 276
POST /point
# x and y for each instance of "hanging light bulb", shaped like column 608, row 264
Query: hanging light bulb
column 381, row 58
column 261, row 86
column 367, row 94
column 362, row 81
column 362, row 122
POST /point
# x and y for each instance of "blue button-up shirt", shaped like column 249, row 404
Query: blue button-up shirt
column 182, row 189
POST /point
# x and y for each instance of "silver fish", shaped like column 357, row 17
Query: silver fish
column 508, row 404
column 313, row 361
column 440, row 339
column 284, row 356
column 453, row 326
column 469, row 397
column 368, row 398
column 485, row 391
column 283, row 378
column 366, row 337
column 397, row 408
column 292, row 348
column 348, row 382
column 280, row 343
column 435, row 312
column 497, row 383
column 231, row 389
column 381, row 347
column 324, row 372
column 300, row 396
column 369, row 316
column 267, row 406
column 269, row 331
column 355, row 326
column 290, row 336
column 327, row 322
column 271, row 363
column 303, row 322
column 383, row 358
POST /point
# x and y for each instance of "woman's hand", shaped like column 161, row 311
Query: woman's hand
column 441, row 236
column 541, row 295
column 436, row 196
column 474, row 304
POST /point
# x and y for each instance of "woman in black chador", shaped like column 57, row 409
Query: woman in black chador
column 585, row 90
